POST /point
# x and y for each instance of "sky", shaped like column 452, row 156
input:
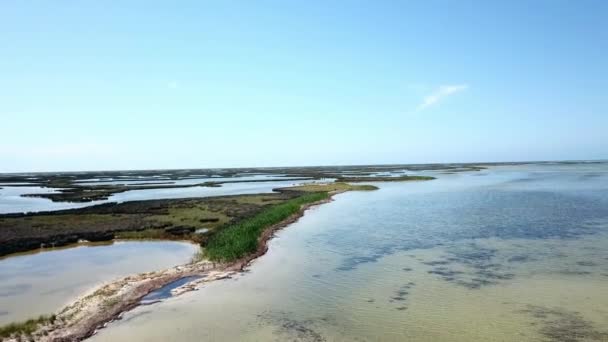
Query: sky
column 104, row 85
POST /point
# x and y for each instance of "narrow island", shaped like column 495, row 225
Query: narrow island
column 232, row 230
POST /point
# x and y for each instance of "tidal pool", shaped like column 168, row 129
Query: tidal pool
column 198, row 191
column 11, row 200
column 514, row 253
column 183, row 181
column 32, row 284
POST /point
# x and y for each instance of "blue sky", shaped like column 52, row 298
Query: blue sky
column 158, row 84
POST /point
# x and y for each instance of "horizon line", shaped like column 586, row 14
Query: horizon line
column 312, row 166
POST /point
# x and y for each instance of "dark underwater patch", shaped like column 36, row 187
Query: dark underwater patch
column 574, row 272
column 292, row 329
column 433, row 219
column 400, row 296
column 521, row 258
column 478, row 262
column 558, row 324
column 435, row 263
column 586, row 263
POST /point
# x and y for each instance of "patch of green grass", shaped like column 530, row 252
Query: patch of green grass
column 261, row 199
column 384, row 179
column 109, row 302
column 329, row 187
column 240, row 239
column 193, row 216
column 152, row 234
column 25, row 328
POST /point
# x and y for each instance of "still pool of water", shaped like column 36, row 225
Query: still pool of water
column 514, row 253
column 11, row 200
column 224, row 190
column 32, row 284
column 184, row 181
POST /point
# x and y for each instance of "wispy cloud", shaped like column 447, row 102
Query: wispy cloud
column 440, row 93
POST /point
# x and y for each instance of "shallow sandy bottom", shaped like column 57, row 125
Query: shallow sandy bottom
column 540, row 302
column 505, row 255
column 33, row 284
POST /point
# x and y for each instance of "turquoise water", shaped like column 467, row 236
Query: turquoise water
column 513, row 253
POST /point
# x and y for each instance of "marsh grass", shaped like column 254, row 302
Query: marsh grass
column 240, row 239
column 152, row 234
column 329, row 187
column 384, row 179
column 26, row 327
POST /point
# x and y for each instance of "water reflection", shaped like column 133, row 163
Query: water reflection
column 11, row 200
column 41, row 283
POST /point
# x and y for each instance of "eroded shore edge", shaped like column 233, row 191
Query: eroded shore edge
column 108, row 302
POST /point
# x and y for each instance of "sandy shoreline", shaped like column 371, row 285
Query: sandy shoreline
column 108, row 302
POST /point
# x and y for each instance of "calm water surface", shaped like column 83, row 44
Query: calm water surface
column 515, row 253
column 184, row 181
column 41, row 283
column 11, row 200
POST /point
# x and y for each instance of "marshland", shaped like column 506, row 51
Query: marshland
column 388, row 247
column 304, row 171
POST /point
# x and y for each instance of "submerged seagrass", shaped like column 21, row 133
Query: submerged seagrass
column 510, row 253
column 235, row 245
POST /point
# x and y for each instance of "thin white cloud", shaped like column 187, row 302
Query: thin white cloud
column 172, row 85
column 441, row 93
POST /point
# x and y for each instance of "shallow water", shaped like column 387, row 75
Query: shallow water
column 184, row 181
column 11, row 200
column 41, row 283
column 517, row 253
column 225, row 189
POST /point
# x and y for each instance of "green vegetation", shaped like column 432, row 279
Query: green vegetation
column 80, row 193
column 171, row 219
column 384, row 179
column 101, row 185
column 25, row 328
column 86, row 193
column 330, row 187
column 147, row 234
column 241, row 238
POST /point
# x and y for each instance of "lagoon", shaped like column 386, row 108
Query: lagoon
column 510, row 253
column 12, row 201
column 37, row 283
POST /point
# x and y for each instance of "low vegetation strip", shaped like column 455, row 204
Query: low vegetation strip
column 328, row 187
column 169, row 219
column 240, row 239
column 26, row 327
column 384, row 179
